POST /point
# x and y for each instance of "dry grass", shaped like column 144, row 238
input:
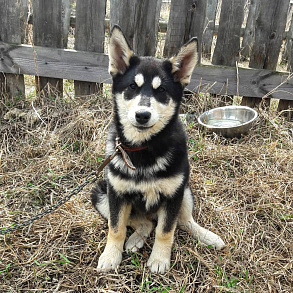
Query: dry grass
column 243, row 191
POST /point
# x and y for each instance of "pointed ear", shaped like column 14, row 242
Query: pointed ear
column 119, row 52
column 184, row 62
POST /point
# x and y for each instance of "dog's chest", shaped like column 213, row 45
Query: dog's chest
column 144, row 182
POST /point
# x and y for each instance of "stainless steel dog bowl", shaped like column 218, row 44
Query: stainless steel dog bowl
column 229, row 121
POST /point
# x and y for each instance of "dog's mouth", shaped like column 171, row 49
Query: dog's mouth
column 143, row 128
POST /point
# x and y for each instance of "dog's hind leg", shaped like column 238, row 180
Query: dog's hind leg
column 187, row 223
column 143, row 228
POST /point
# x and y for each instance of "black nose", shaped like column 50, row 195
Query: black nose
column 142, row 117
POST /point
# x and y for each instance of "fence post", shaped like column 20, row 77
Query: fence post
column 269, row 29
column 209, row 27
column 11, row 85
column 48, row 33
column 89, row 36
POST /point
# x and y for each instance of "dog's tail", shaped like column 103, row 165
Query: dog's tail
column 100, row 199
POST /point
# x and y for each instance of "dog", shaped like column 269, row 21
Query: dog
column 147, row 182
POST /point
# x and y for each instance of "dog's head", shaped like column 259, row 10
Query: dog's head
column 147, row 91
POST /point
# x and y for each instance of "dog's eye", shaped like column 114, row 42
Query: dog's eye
column 133, row 86
column 161, row 89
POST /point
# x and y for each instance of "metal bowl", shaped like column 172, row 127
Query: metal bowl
column 229, row 121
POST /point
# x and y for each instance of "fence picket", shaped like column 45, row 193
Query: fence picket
column 89, row 36
column 228, row 39
column 209, row 27
column 141, row 24
column 269, row 29
column 146, row 27
column 118, row 10
column 248, row 37
column 10, row 31
column 47, row 31
column 186, row 20
column 66, row 13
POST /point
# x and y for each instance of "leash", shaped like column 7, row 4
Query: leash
column 118, row 148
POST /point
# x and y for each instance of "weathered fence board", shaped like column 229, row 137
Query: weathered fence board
column 186, row 20
column 146, row 27
column 227, row 50
column 93, row 67
column 10, row 31
column 209, row 27
column 268, row 38
column 268, row 34
column 89, row 36
column 118, row 10
column 141, row 24
column 54, row 63
column 66, row 13
column 48, row 33
column 248, row 37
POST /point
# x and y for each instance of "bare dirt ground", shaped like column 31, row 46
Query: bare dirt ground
column 243, row 191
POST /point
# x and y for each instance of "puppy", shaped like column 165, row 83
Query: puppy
column 147, row 181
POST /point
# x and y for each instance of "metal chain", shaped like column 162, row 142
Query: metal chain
column 53, row 207
column 76, row 190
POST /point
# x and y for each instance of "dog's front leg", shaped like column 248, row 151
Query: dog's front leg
column 112, row 255
column 159, row 260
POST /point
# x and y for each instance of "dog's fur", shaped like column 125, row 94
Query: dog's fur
column 147, row 94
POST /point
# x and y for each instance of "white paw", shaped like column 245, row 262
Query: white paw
column 134, row 243
column 211, row 239
column 110, row 259
column 158, row 264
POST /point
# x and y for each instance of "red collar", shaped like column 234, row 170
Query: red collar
column 130, row 149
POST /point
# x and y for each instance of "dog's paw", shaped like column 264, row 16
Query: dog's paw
column 158, row 264
column 211, row 239
column 110, row 259
column 134, row 243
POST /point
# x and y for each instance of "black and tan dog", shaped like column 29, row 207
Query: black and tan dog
column 150, row 185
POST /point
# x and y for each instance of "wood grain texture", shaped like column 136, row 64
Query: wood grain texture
column 146, row 24
column 176, row 26
column 248, row 36
column 66, row 12
column 209, row 27
column 89, row 36
column 228, row 39
column 269, row 28
column 186, row 20
column 10, row 31
column 93, row 67
column 139, row 21
column 122, row 13
column 47, row 32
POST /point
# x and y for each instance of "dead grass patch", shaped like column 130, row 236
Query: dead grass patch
column 243, row 191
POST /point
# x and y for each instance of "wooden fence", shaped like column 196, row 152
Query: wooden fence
column 259, row 39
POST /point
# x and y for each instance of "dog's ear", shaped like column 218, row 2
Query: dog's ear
column 184, row 62
column 119, row 52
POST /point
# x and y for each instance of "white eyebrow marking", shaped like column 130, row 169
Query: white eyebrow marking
column 156, row 82
column 139, row 79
